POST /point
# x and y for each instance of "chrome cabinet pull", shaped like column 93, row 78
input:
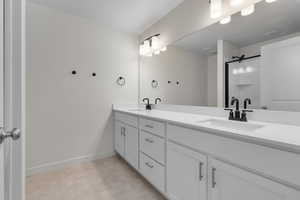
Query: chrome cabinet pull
column 149, row 140
column 123, row 131
column 149, row 126
column 149, row 165
column 214, row 183
column 200, row 171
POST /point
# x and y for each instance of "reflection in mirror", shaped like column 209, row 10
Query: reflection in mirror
column 181, row 75
column 256, row 54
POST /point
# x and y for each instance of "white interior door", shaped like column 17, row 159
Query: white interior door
column 12, row 99
column 1, row 101
column 280, row 75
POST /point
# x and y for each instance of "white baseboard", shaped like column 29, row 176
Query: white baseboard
column 60, row 164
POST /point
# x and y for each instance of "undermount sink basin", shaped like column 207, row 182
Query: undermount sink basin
column 241, row 126
column 136, row 110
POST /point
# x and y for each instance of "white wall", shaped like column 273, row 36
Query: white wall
column 176, row 64
column 225, row 52
column 212, row 70
column 70, row 117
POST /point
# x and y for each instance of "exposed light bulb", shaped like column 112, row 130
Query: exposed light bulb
column 235, row 71
column 226, row 20
column 241, row 71
column 248, row 11
column 270, row 1
column 149, row 54
column 249, row 69
column 157, row 52
column 215, row 8
column 156, row 44
column 147, row 48
column 235, row 3
column 164, row 48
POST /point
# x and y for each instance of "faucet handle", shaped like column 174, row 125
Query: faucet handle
column 231, row 115
column 245, row 110
column 244, row 115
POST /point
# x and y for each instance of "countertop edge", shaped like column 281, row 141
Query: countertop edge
column 223, row 133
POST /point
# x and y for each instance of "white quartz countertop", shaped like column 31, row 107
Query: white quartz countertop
column 280, row 136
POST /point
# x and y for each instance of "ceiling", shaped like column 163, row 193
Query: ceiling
column 133, row 16
column 269, row 21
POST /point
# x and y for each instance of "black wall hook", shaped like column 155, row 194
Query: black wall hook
column 74, row 72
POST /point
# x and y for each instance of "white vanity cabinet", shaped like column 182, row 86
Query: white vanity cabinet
column 126, row 139
column 186, row 174
column 192, row 164
column 227, row 182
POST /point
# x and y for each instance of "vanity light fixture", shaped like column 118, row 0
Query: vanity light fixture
column 226, row 20
column 152, row 45
column 248, row 11
column 270, row 1
column 215, row 8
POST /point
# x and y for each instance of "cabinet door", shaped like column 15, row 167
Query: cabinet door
column 119, row 138
column 186, row 174
column 231, row 183
column 132, row 146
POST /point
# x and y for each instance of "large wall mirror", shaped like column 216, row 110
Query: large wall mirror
column 255, row 56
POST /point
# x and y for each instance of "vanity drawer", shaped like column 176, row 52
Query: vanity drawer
column 127, row 119
column 155, row 127
column 153, row 171
column 153, row 146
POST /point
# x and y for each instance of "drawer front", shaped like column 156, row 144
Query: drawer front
column 127, row 119
column 153, row 146
column 281, row 165
column 153, row 172
column 155, row 127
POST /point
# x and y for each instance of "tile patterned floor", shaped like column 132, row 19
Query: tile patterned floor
column 107, row 179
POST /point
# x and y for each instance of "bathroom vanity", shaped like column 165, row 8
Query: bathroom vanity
column 196, row 157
